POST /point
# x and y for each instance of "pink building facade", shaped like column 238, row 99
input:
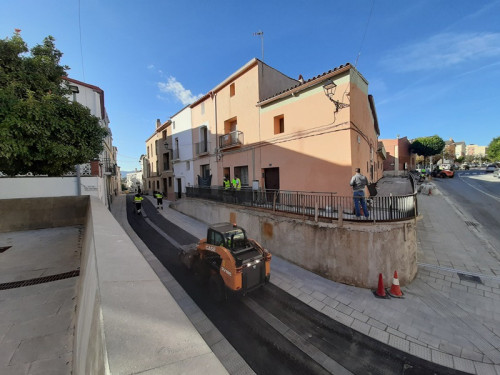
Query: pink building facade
column 276, row 132
column 399, row 158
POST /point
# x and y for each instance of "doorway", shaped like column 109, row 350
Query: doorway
column 179, row 188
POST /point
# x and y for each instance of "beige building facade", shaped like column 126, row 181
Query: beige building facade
column 158, row 168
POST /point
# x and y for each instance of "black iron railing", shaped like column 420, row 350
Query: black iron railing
column 311, row 204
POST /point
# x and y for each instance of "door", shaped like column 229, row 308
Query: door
column 179, row 188
column 272, row 182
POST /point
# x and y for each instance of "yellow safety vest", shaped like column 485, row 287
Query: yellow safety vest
column 226, row 184
column 138, row 199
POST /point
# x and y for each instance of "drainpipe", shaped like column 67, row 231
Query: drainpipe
column 78, row 181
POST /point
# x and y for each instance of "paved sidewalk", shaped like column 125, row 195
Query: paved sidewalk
column 451, row 312
column 37, row 320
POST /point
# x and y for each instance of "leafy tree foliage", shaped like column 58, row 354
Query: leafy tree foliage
column 494, row 150
column 427, row 146
column 41, row 130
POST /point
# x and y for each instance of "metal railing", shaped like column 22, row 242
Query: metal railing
column 234, row 138
column 312, row 204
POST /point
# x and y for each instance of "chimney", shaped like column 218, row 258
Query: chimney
column 158, row 123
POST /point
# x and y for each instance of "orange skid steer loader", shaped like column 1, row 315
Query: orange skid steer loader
column 230, row 262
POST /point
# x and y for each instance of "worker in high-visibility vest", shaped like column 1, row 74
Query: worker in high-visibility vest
column 226, row 182
column 237, row 183
column 159, row 200
column 138, row 203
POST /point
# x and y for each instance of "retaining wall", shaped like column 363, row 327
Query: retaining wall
column 38, row 213
column 352, row 253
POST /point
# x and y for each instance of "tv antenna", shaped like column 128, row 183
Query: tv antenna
column 261, row 34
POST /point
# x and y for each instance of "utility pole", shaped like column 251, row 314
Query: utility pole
column 261, row 34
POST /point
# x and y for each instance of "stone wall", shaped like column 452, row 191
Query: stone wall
column 349, row 252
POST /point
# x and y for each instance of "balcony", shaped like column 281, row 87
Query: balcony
column 202, row 148
column 230, row 140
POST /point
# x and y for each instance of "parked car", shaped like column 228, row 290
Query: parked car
column 490, row 168
column 444, row 173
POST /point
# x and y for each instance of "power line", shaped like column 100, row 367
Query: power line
column 364, row 34
column 80, row 30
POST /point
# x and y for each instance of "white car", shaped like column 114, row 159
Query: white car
column 490, row 168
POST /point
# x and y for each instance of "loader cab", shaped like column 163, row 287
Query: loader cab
column 227, row 235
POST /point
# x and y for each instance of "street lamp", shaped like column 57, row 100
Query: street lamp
column 329, row 88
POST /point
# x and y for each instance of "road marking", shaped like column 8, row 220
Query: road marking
column 480, row 190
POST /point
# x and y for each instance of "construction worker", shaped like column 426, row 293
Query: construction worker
column 237, row 183
column 226, row 182
column 138, row 203
column 159, row 200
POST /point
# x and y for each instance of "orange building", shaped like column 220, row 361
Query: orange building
column 276, row 132
column 399, row 158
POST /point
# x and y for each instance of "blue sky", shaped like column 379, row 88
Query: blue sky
column 433, row 67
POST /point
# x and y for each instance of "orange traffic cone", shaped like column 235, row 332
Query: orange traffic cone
column 395, row 289
column 380, row 292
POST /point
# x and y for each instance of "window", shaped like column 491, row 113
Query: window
column 232, row 89
column 279, row 124
column 157, row 184
column 149, row 184
column 148, row 151
column 205, row 170
column 170, row 181
column 242, row 173
column 215, row 238
column 164, row 134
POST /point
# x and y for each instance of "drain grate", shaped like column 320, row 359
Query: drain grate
column 471, row 278
column 471, row 224
column 40, row 280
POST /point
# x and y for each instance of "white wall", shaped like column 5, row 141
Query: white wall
column 182, row 131
column 34, row 187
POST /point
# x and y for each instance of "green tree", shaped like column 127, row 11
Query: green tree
column 41, row 130
column 494, row 150
column 427, row 146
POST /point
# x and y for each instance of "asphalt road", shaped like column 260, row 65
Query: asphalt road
column 477, row 195
column 274, row 332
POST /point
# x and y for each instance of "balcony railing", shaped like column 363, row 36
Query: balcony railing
column 313, row 205
column 202, row 148
column 233, row 139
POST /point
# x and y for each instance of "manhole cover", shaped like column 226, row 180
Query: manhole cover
column 470, row 278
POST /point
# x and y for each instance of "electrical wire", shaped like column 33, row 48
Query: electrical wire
column 364, row 34
column 80, row 30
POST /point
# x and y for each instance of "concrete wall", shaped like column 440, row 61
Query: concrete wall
column 37, row 213
column 31, row 187
column 352, row 253
column 127, row 321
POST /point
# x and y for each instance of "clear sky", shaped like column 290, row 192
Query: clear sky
column 433, row 66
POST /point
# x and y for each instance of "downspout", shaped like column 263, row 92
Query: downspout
column 78, row 181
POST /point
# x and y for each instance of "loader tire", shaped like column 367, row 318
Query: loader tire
column 216, row 287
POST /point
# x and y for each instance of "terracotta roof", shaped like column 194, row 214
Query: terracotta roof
column 310, row 82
